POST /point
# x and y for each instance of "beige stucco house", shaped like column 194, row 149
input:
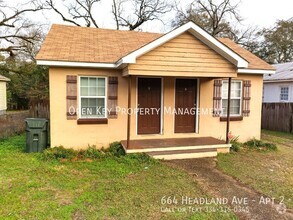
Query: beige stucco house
column 3, row 96
column 165, row 94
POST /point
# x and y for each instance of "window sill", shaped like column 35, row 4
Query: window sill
column 232, row 118
column 88, row 121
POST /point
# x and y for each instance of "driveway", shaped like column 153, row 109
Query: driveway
column 247, row 203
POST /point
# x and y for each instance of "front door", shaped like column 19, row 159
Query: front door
column 149, row 105
column 185, row 103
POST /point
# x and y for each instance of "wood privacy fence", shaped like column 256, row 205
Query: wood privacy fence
column 277, row 117
column 40, row 109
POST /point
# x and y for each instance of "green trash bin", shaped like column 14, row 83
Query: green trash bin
column 36, row 134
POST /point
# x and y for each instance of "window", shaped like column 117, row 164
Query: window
column 236, row 94
column 92, row 97
column 284, row 94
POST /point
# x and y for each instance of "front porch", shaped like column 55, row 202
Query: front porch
column 177, row 148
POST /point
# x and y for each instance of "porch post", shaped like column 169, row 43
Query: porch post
column 228, row 111
column 128, row 115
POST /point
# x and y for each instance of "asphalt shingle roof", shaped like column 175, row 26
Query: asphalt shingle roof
column 83, row 44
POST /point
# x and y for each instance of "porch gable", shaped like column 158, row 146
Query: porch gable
column 184, row 55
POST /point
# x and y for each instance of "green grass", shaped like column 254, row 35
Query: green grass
column 269, row 172
column 278, row 137
column 128, row 187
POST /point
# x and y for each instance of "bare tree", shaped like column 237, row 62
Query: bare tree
column 212, row 17
column 140, row 12
column 220, row 19
column 77, row 11
column 16, row 32
column 129, row 14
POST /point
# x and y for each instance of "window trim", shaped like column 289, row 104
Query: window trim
column 281, row 87
column 241, row 99
column 79, row 97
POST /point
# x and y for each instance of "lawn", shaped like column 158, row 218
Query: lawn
column 270, row 173
column 129, row 187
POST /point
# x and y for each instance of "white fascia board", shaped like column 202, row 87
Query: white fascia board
column 76, row 64
column 197, row 32
column 256, row 71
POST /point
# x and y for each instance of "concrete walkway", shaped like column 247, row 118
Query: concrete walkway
column 219, row 185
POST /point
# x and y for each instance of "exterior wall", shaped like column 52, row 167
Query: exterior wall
column 3, row 101
column 271, row 92
column 182, row 56
column 69, row 134
column 248, row 128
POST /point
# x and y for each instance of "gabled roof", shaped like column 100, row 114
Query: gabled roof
column 254, row 62
column 92, row 47
column 284, row 72
column 97, row 45
column 200, row 34
column 3, row 78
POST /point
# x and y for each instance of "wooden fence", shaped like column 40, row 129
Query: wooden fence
column 277, row 117
column 40, row 109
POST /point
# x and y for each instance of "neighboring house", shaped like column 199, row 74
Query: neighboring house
column 3, row 96
column 279, row 87
column 153, row 76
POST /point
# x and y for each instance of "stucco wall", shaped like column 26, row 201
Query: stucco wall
column 208, row 125
column 271, row 91
column 69, row 134
column 249, row 127
column 3, row 101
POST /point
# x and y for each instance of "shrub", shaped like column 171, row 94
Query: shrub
column 59, row 153
column 236, row 145
column 254, row 143
column 270, row 146
column 259, row 145
column 115, row 149
column 91, row 152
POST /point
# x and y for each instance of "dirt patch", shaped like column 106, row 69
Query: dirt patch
column 219, row 185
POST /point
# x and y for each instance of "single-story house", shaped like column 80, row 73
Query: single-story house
column 165, row 94
column 3, row 94
column 279, row 86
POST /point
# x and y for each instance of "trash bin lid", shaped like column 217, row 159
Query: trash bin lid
column 36, row 122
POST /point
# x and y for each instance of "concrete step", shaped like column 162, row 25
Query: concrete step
column 183, row 154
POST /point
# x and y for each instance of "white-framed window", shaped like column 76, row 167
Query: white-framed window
column 236, row 97
column 284, row 93
column 92, row 97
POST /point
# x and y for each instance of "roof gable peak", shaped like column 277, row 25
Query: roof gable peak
column 197, row 32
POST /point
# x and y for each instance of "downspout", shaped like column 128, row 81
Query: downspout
column 228, row 112
column 129, row 115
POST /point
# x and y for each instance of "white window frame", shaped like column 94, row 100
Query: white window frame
column 80, row 96
column 241, row 98
column 283, row 87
